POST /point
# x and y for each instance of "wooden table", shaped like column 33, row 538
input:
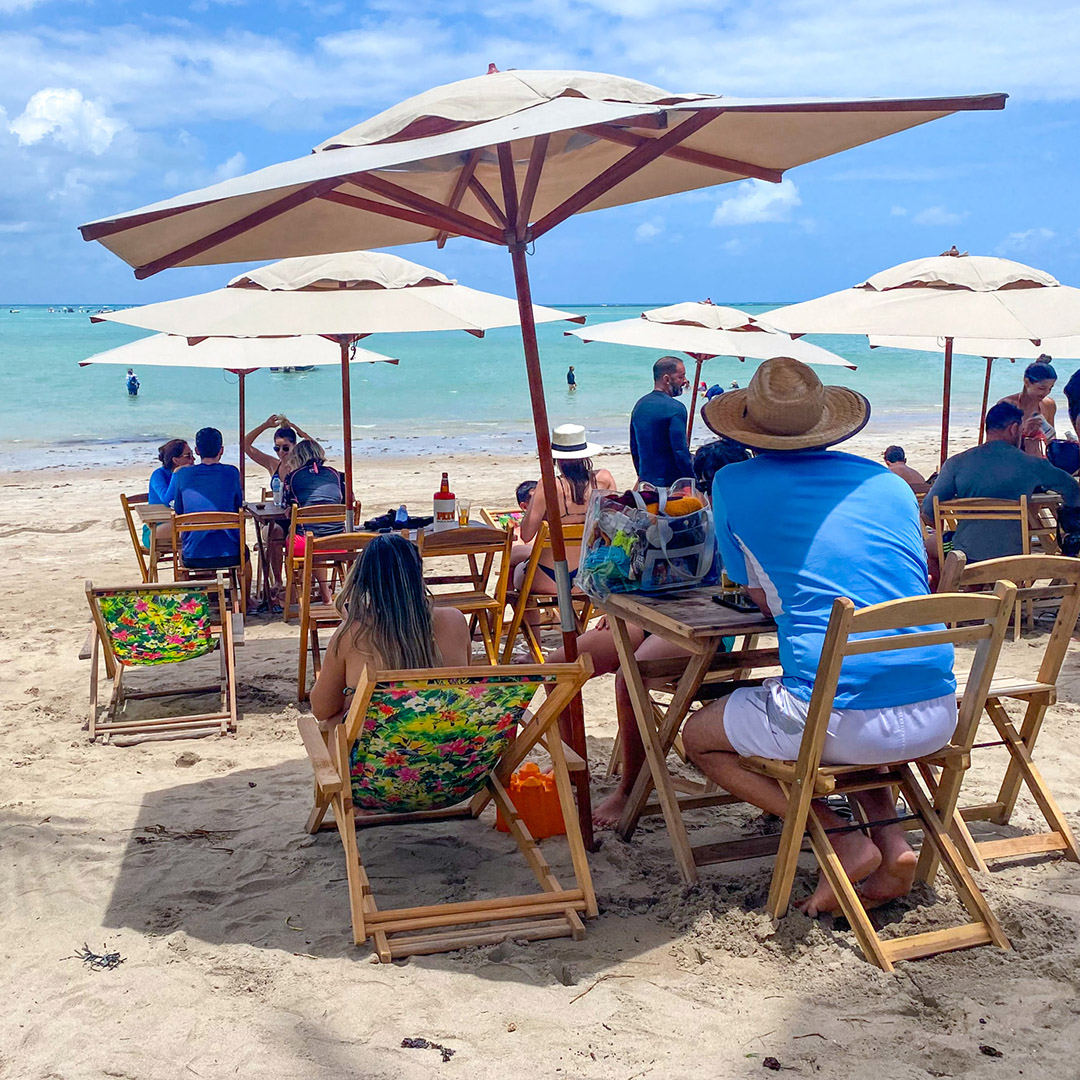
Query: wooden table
column 265, row 514
column 153, row 515
column 694, row 621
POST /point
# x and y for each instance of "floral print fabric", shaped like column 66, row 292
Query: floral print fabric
column 428, row 745
column 157, row 628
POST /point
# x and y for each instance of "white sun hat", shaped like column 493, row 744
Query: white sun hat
column 568, row 442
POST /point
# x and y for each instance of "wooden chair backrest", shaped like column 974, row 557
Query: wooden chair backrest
column 501, row 519
column 208, row 521
column 1063, row 575
column 986, row 613
column 213, row 591
column 572, row 535
column 141, row 553
column 340, row 551
column 321, row 514
column 474, row 541
column 947, row 515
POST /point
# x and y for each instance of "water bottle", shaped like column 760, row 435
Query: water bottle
column 275, row 487
column 401, row 517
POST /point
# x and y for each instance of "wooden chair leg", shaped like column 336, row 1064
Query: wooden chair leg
column 787, row 855
column 1029, row 732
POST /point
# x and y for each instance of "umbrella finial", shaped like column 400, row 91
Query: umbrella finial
column 954, row 251
column 492, row 69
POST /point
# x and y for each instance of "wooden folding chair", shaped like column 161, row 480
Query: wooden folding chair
column 947, row 515
column 152, row 625
column 212, row 521
column 301, row 518
column 334, row 555
column 482, row 602
column 524, row 600
column 435, row 745
column 852, row 633
column 142, row 552
column 1036, row 696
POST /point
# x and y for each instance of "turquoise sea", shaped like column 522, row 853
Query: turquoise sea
column 450, row 391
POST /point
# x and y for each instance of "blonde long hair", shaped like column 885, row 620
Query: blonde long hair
column 303, row 453
column 385, row 602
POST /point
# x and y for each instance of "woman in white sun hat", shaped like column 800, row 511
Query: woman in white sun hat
column 577, row 480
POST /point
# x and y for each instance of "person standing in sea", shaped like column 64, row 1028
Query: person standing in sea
column 571, row 380
column 658, row 443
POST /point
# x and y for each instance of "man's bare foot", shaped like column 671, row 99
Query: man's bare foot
column 607, row 814
column 896, row 874
column 859, row 856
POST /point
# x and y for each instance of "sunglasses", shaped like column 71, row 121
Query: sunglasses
column 282, row 449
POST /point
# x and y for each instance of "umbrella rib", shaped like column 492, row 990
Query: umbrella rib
column 236, row 228
column 488, row 202
column 399, row 213
column 688, row 154
column 460, row 186
column 454, row 219
column 626, row 166
column 97, row 230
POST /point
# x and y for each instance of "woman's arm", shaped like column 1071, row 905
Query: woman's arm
column 534, row 516
column 256, row 455
column 328, row 694
column 604, row 481
column 452, row 637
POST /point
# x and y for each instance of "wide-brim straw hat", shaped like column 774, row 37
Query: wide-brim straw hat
column 568, row 442
column 786, row 407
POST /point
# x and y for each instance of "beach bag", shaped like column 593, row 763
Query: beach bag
column 1064, row 454
column 648, row 541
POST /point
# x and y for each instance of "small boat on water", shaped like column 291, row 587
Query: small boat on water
column 307, row 367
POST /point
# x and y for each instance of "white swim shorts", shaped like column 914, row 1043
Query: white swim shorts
column 768, row 721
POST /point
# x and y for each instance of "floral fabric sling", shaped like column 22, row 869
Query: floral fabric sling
column 157, row 628
column 427, row 745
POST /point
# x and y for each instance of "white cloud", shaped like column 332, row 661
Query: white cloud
column 234, row 166
column 649, row 230
column 938, row 215
column 69, row 118
column 14, row 226
column 756, row 201
column 1024, row 240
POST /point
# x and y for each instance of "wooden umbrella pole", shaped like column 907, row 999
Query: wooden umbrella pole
column 986, row 400
column 693, row 397
column 241, row 375
column 946, row 399
column 346, row 424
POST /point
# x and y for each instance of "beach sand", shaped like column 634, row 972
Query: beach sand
column 189, row 859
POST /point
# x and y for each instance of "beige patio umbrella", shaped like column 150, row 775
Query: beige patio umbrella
column 990, row 349
column 343, row 297
column 703, row 330
column 504, row 158
column 948, row 296
column 240, row 356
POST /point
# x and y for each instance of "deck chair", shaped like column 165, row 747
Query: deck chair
column 482, row 601
column 851, row 633
column 301, row 518
column 501, row 519
column 335, row 556
column 525, row 600
column 153, row 625
column 948, row 514
column 142, row 553
column 1036, row 696
column 211, row 521
column 434, row 745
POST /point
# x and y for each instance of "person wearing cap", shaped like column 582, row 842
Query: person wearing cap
column 577, row 480
column 658, row 427
column 799, row 525
column 896, row 461
column 1037, row 406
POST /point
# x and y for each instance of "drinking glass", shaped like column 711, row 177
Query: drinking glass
column 463, row 507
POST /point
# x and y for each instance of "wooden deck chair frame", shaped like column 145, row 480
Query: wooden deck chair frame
column 337, row 553
column 1036, row 696
column 524, row 599
column 948, row 514
column 222, row 721
column 554, row 911
column 483, row 605
column 141, row 553
column 211, row 521
column 806, row 779
column 300, row 518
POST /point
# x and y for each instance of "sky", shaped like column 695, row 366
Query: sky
column 108, row 106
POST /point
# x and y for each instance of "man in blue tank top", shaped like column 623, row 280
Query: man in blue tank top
column 800, row 525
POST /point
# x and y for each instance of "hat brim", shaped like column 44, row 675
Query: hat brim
column 573, row 455
column 844, row 414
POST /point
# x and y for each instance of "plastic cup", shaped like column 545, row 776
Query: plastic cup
column 463, row 508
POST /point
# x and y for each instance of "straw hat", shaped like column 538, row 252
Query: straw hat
column 568, row 442
column 785, row 407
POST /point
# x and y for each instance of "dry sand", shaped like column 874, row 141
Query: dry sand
column 189, row 859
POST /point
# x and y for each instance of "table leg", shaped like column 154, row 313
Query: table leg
column 264, row 565
column 152, row 572
column 658, row 742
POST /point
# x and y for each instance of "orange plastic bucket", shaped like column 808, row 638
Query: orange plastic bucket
column 536, row 799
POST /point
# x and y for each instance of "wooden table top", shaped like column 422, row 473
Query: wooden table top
column 152, row 513
column 690, row 614
column 266, row 511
